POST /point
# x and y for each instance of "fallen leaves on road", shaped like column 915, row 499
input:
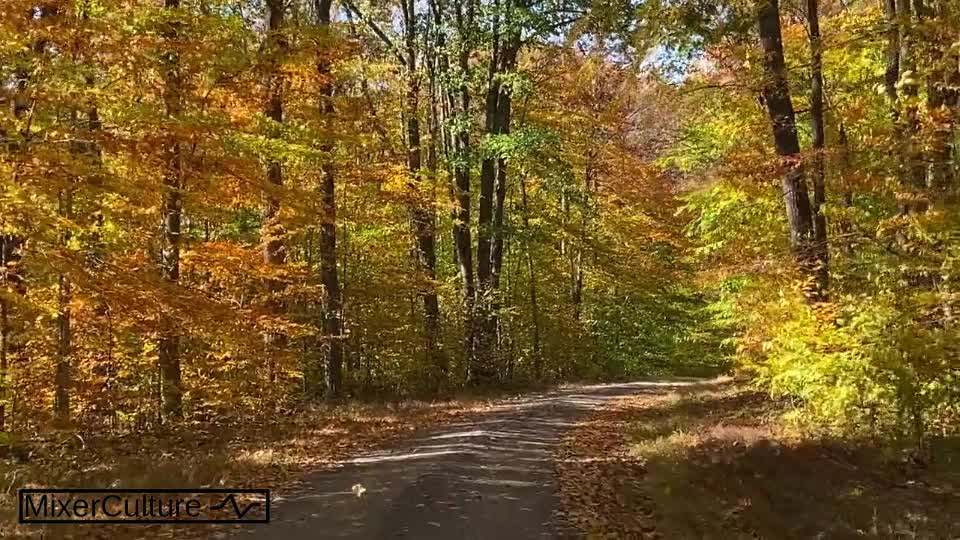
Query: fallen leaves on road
column 601, row 482
column 271, row 452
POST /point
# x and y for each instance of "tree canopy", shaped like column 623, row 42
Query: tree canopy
column 211, row 205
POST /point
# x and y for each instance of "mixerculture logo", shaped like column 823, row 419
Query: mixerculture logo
column 144, row 505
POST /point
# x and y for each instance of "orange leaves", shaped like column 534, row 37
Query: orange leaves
column 601, row 482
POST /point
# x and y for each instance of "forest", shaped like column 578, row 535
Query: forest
column 239, row 205
column 213, row 211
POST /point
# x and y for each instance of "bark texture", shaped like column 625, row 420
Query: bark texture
column 421, row 208
column 818, row 168
column 776, row 96
column 168, row 349
column 332, row 324
column 272, row 233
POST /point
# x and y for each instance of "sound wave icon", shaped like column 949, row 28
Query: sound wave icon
column 236, row 507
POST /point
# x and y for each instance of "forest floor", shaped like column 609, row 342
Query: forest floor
column 716, row 461
column 671, row 459
column 427, row 468
column 273, row 452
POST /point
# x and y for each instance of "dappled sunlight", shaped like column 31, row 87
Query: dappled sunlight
column 680, row 466
column 494, row 468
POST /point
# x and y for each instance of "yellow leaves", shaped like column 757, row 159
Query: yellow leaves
column 397, row 181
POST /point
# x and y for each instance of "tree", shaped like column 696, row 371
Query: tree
column 272, row 233
column 913, row 174
column 817, row 120
column 505, row 45
column 422, row 215
column 332, row 324
column 168, row 348
column 776, row 95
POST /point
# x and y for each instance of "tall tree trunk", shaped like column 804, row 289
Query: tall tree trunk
column 421, row 212
column 168, row 349
column 493, row 189
column 455, row 105
column 488, row 170
column 892, row 72
column 272, row 233
column 483, row 367
column 942, row 91
column 500, row 195
column 332, row 302
column 12, row 280
column 504, row 117
column 460, row 103
column 821, row 249
column 61, row 395
column 532, row 274
column 846, row 226
column 913, row 174
column 776, row 96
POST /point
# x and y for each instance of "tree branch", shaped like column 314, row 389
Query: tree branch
column 376, row 30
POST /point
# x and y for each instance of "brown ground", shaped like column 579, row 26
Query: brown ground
column 272, row 452
column 459, row 469
column 714, row 462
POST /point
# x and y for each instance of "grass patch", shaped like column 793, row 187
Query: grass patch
column 738, row 468
column 716, row 462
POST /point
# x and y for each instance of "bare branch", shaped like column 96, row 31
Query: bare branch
column 376, row 30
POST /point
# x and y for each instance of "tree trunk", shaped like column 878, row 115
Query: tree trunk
column 534, row 306
column 821, row 249
column 332, row 303
column 500, row 195
column 913, row 174
column 61, row 395
column 493, row 189
column 455, row 106
column 776, row 96
column 460, row 103
column 488, row 173
column 168, row 348
column 10, row 278
column 422, row 215
column 942, row 92
column 504, row 106
column 892, row 73
column 482, row 369
column 272, row 232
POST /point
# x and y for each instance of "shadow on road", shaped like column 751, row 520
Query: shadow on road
column 491, row 477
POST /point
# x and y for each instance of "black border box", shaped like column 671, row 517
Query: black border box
column 127, row 491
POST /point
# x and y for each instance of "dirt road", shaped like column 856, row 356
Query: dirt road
column 491, row 478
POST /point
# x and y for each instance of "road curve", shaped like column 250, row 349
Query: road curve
column 489, row 478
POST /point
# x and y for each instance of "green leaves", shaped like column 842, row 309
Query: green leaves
column 525, row 143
